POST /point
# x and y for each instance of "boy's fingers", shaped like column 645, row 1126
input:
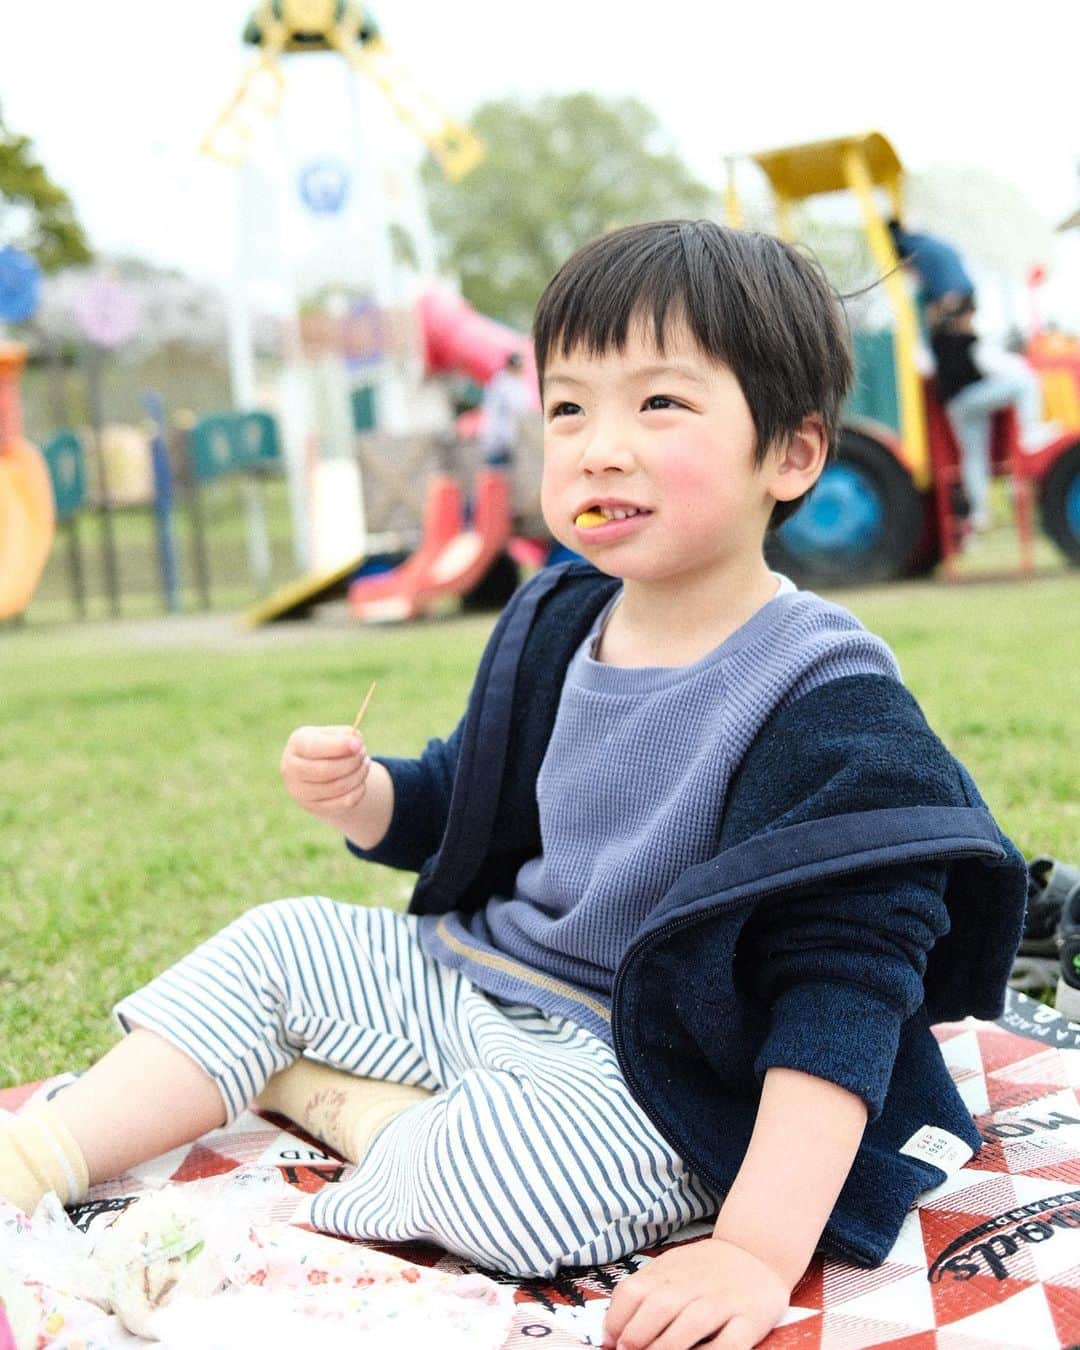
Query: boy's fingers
column 339, row 788
column 320, row 743
column 653, row 1316
column 740, row 1334
column 625, row 1301
column 323, row 772
column 699, row 1320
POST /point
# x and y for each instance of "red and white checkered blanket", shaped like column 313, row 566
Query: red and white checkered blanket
column 991, row 1259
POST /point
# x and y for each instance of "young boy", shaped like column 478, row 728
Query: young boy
column 694, row 875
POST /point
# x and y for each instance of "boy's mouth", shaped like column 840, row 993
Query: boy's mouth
column 595, row 516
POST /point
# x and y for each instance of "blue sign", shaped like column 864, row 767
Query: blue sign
column 324, row 186
column 20, row 284
column 365, row 337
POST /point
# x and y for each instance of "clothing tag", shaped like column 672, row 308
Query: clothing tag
column 938, row 1147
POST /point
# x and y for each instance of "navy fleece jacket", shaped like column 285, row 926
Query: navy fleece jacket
column 859, row 891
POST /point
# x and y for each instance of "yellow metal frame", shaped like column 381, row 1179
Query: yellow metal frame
column 456, row 150
column 859, row 165
column 313, row 25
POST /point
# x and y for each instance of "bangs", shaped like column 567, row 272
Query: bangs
column 642, row 275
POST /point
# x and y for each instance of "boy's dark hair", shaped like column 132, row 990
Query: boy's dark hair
column 751, row 301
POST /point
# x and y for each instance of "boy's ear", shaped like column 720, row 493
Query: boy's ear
column 797, row 463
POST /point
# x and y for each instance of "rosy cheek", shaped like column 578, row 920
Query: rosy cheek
column 689, row 466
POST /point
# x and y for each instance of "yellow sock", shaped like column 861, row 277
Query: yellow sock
column 339, row 1108
column 38, row 1153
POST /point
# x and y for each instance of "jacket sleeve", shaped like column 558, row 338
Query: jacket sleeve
column 842, row 969
column 422, row 789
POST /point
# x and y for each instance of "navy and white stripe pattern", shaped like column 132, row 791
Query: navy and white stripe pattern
column 530, row 1156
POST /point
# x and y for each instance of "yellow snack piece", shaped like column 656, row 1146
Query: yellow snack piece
column 589, row 519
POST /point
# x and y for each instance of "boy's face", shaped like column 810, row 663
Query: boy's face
column 662, row 446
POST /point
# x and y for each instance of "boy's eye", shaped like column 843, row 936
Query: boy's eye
column 658, row 402
column 563, row 409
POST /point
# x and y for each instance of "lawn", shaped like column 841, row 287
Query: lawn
column 142, row 807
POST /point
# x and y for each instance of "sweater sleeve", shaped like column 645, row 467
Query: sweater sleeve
column 842, row 969
column 422, row 790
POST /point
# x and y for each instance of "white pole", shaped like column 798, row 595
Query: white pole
column 242, row 371
column 295, row 408
column 369, row 131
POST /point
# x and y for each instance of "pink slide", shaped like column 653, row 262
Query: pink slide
column 458, row 340
column 450, row 559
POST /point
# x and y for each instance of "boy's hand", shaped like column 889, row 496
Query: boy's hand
column 326, row 771
column 708, row 1293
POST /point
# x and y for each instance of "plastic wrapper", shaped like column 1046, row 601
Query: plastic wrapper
column 163, row 1248
column 54, row 1296
column 195, row 1265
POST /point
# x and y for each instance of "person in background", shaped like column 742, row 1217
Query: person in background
column 975, row 377
column 506, row 398
column 944, row 281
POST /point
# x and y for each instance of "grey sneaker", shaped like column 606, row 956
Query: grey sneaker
column 1050, row 884
column 1068, row 986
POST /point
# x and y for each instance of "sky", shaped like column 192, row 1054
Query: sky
column 118, row 94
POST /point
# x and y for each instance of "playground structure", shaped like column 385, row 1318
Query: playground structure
column 345, row 27
column 27, row 511
column 349, row 269
column 392, row 331
column 453, row 557
column 886, row 507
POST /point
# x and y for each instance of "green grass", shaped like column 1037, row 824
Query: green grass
column 141, row 805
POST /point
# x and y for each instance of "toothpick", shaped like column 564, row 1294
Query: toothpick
column 363, row 706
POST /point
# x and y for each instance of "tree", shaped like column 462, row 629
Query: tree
column 35, row 214
column 557, row 171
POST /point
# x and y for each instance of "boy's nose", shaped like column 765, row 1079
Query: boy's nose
column 607, row 453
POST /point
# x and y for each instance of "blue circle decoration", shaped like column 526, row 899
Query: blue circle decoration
column 1072, row 505
column 843, row 515
column 324, row 186
column 20, row 285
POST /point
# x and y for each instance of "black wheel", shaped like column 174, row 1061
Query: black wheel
column 495, row 587
column 863, row 521
column 1059, row 503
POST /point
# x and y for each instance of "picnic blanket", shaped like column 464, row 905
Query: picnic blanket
column 991, row 1258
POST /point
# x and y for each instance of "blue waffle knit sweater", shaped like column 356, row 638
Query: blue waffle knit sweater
column 631, row 787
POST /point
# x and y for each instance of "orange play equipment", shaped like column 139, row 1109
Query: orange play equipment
column 451, row 559
column 27, row 509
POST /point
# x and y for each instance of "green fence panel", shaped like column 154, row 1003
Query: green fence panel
column 874, row 394
column 224, row 443
column 363, row 407
column 257, row 440
column 66, row 459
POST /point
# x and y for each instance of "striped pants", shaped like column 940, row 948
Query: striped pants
column 530, row 1155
